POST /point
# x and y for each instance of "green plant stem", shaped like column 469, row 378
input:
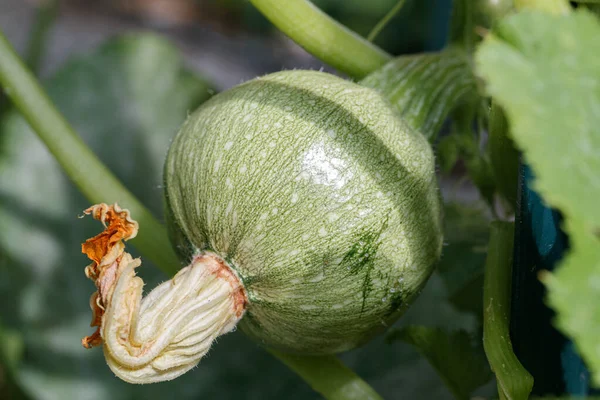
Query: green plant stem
column 325, row 374
column 86, row 171
column 385, row 20
column 425, row 88
column 514, row 382
column 323, row 37
column 329, row 376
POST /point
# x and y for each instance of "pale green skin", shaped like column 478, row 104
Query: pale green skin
column 321, row 199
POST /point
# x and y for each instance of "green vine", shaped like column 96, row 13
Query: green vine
column 514, row 382
column 323, row 37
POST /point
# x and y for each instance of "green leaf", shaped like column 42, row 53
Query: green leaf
column 547, row 80
column 550, row 6
column 454, row 355
column 543, row 71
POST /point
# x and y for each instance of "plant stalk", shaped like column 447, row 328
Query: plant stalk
column 323, row 37
column 326, row 375
column 514, row 382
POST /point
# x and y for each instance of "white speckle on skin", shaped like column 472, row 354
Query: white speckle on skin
column 228, row 183
column 228, row 145
column 379, row 195
column 318, row 278
column 337, row 306
column 322, row 232
column 305, row 236
column 294, row 253
column 307, row 307
column 229, row 207
column 332, row 217
column 247, row 118
column 217, row 165
column 253, row 105
column 278, row 125
column 295, row 281
column 294, row 198
column 331, row 133
column 264, row 216
column 234, row 219
column 272, row 144
column 275, row 211
column 243, row 169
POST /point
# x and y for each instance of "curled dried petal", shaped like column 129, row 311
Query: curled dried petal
column 165, row 334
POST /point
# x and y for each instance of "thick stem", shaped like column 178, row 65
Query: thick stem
column 165, row 334
column 514, row 382
column 424, row 88
column 323, row 37
column 328, row 376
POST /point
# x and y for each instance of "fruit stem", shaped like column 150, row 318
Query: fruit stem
column 323, row 37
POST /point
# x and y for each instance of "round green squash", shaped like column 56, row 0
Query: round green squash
column 323, row 202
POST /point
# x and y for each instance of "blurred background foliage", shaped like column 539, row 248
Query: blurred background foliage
column 125, row 74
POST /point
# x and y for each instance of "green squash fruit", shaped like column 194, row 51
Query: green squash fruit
column 318, row 196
